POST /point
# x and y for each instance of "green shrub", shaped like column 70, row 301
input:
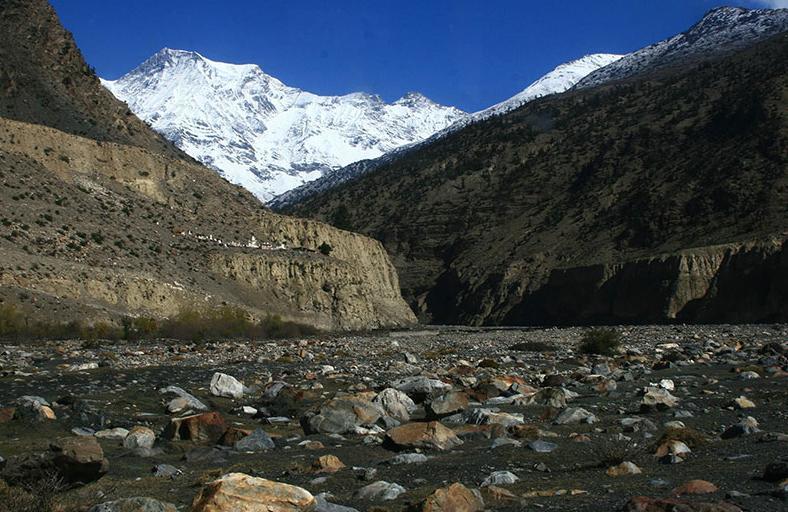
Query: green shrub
column 12, row 322
column 600, row 341
column 325, row 249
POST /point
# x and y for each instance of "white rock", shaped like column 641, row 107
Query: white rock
column 226, row 385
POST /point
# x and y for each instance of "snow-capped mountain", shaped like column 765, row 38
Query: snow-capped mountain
column 561, row 79
column 558, row 80
column 722, row 30
column 262, row 134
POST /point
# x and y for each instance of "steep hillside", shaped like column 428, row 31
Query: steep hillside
column 262, row 134
column 104, row 219
column 660, row 199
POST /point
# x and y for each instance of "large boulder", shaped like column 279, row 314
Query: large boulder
column 341, row 416
column 454, row 498
column 206, row 427
column 79, row 460
column 137, row 504
column 238, row 492
column 432, row 435
column 396, row 404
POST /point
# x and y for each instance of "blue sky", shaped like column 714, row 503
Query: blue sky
column 466, row 53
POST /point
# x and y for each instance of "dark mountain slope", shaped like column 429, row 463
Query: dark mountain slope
column 102, row 219
column 657, row 199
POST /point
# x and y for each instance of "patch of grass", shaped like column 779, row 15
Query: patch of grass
column 600, row 341
column 609, row 451
column 38, row 495
column 533, row 346
column 188, row 325
column 689, row 436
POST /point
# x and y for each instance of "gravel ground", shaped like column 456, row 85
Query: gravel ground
column 114, row 384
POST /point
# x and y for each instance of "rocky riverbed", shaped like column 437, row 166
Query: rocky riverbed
column 444, row 419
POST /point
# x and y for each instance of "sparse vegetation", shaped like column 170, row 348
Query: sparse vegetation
column 533, row 346
column 188, row 325
column 600, row 341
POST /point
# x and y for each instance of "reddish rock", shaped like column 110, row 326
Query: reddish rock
column 205, row 427
column 695, row 487
column 454, row 498
column 7, row 414
column 422, row 435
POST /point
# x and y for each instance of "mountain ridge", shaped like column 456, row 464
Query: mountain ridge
column 261, row 133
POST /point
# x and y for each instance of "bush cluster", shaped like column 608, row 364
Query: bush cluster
column 600, row 341
column 188, row 325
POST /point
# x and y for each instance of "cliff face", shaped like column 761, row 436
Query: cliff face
column 653, row 200
column 734, row 283
column 103, row 219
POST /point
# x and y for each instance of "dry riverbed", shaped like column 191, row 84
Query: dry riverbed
column 390, row 421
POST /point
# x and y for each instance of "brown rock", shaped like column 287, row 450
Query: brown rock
column 7, row 414
column 234, row 434
column 498, row 495
column 623, row 469
column 238, row 492
column 327, row 464
column 79, row 459
column 422, row 435
column 204, row 427
column 454, row 498
column 695, row 487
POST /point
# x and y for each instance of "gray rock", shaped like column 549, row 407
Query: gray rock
column 324, row 506
column 380, row 491
column 341, row 416
column 500, row 478
column 190, row 401
column 420, row 386
column 408, row 458
column 540, row 446
column 138, row 504
column 575, row 415
column 396, row 404
column 166, row 471
column 257, row 441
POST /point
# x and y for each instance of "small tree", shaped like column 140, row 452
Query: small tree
column 325, row 249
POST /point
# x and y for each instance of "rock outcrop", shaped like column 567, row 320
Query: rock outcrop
column 109, row 220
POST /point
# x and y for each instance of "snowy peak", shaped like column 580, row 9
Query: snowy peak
column 560, row 79
column 262, row 134
column 721, row 31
